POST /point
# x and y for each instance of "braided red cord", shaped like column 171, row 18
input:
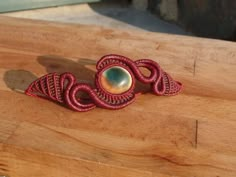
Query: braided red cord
column 64, row 89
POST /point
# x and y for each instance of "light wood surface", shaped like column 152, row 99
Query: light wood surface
column 189, row 135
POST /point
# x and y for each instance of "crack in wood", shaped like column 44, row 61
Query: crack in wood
column 196, row 134
column 194, row 67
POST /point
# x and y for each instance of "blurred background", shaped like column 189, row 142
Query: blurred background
column 204, row 18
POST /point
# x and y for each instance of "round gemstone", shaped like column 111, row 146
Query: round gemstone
column 116, row 80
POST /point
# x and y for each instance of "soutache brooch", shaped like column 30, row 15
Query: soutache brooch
column 114, row 84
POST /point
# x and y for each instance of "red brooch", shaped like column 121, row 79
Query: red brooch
column 114, row 84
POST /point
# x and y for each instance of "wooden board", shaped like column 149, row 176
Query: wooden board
column 189, row 135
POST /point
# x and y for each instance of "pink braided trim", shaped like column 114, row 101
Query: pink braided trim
column 62, row 88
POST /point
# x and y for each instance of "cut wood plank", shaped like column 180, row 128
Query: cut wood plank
column 192, row 134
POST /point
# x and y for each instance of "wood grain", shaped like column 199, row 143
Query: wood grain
column 189, row 135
